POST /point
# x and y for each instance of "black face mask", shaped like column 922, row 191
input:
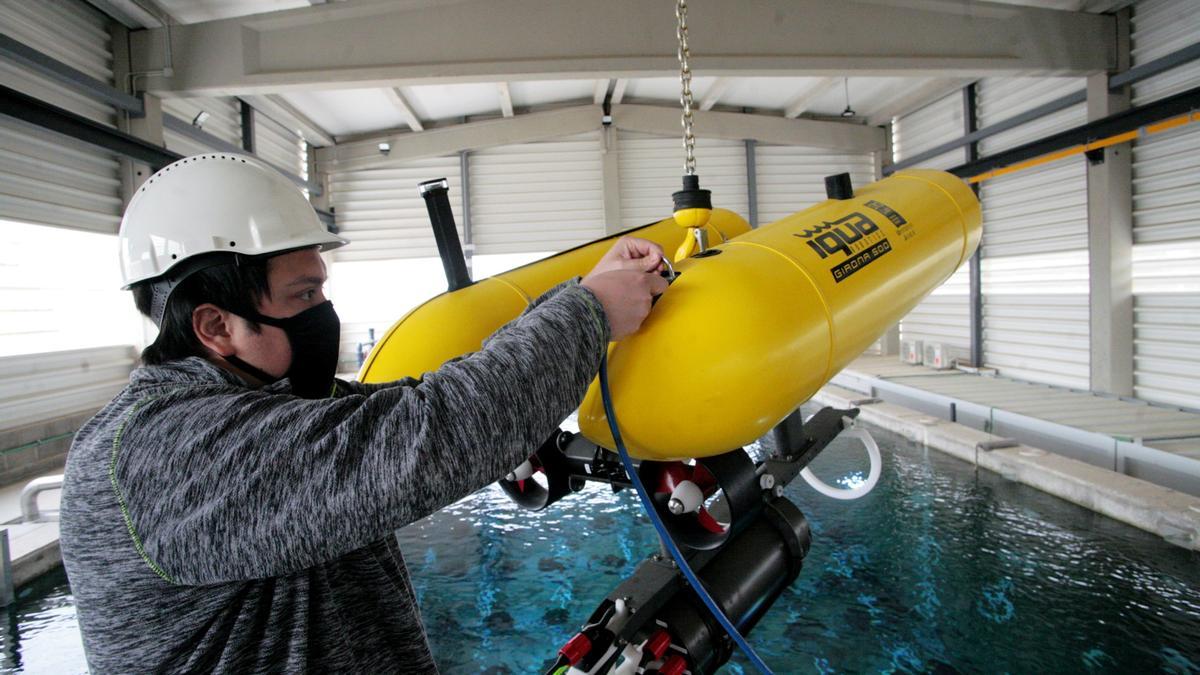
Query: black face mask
column 313, row 335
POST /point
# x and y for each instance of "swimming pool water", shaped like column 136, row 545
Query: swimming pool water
column 41, row 633
column 938, row 570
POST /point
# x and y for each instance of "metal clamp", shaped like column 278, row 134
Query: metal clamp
column 670, row 269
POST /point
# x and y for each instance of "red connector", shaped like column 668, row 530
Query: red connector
column 658, row 644
column 576, row 648
column 675, row 665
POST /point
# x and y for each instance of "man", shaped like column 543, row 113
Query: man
column 233, row 509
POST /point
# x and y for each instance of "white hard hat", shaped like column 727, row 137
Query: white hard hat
column 215, row 203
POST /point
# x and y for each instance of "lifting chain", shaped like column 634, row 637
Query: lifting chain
column 685, row 83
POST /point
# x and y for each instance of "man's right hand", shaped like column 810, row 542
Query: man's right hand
column 626, row 296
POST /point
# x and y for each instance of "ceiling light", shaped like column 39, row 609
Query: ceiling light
column 385, row 148
column 200, row 118
column 848, row 112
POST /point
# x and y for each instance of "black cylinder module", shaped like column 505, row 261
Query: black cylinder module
column 445, row 233
column 744, row 579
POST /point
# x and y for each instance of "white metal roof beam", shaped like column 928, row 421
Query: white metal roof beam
column 807, row 97
column 733, row 126
column 619, row 90
column 399, row 44
column 914, row 99
column 129, row 13
column 506, row 108
column 406, row 112
column 283, row 112
column 364, row 153
column 715, row 92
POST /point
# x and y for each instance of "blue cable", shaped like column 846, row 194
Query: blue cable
column 662, row 529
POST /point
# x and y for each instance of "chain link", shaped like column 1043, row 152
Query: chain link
column 685, row 84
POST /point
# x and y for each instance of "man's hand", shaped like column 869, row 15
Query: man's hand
column 631, row 253
column 625, row 281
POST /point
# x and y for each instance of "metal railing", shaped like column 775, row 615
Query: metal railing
column 30, row 512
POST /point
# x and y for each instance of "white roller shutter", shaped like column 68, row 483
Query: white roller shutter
column 945, row 316
column 224, row 121
column 931, row 126
column 651, row 169
column 383, row 216
column 1035, row 318
column 1166, row 323
column 1166, row 227
column 279, row 146
column 1035, row 267
column 792, row 178
column 1036, row 210
column 545, row 196
column 46, row 178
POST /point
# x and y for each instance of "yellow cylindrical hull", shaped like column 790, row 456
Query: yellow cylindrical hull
column 746, row 335
column 748, row 331
column 453, row 324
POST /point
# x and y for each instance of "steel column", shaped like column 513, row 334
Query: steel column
column 975, row 269
column 147, row 127
column 1110, row 238
column 610, row 175
column 752, row 181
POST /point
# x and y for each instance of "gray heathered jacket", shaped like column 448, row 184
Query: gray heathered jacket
column 207, row 526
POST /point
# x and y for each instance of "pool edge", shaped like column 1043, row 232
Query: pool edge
column 1170, row 514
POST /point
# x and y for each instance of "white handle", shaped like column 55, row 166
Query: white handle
column 872, row 478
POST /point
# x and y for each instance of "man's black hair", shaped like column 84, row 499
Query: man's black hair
column 236, row 288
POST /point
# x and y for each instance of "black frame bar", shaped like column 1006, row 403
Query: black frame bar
column 975, row 136
column 60, row 72
column 39, row 113
column 248, row 137
column 1129, row 120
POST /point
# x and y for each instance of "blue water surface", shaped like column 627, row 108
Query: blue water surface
column 938, row 570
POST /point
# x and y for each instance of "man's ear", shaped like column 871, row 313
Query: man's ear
column 212, row 327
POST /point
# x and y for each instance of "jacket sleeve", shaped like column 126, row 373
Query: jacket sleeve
column 233, row 484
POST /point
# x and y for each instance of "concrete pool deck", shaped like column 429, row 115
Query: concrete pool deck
column 1154, row 442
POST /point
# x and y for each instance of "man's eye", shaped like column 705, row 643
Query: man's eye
column 308, row 295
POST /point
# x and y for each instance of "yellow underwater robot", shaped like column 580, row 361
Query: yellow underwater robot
column 753, row 323
column 749, row 329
